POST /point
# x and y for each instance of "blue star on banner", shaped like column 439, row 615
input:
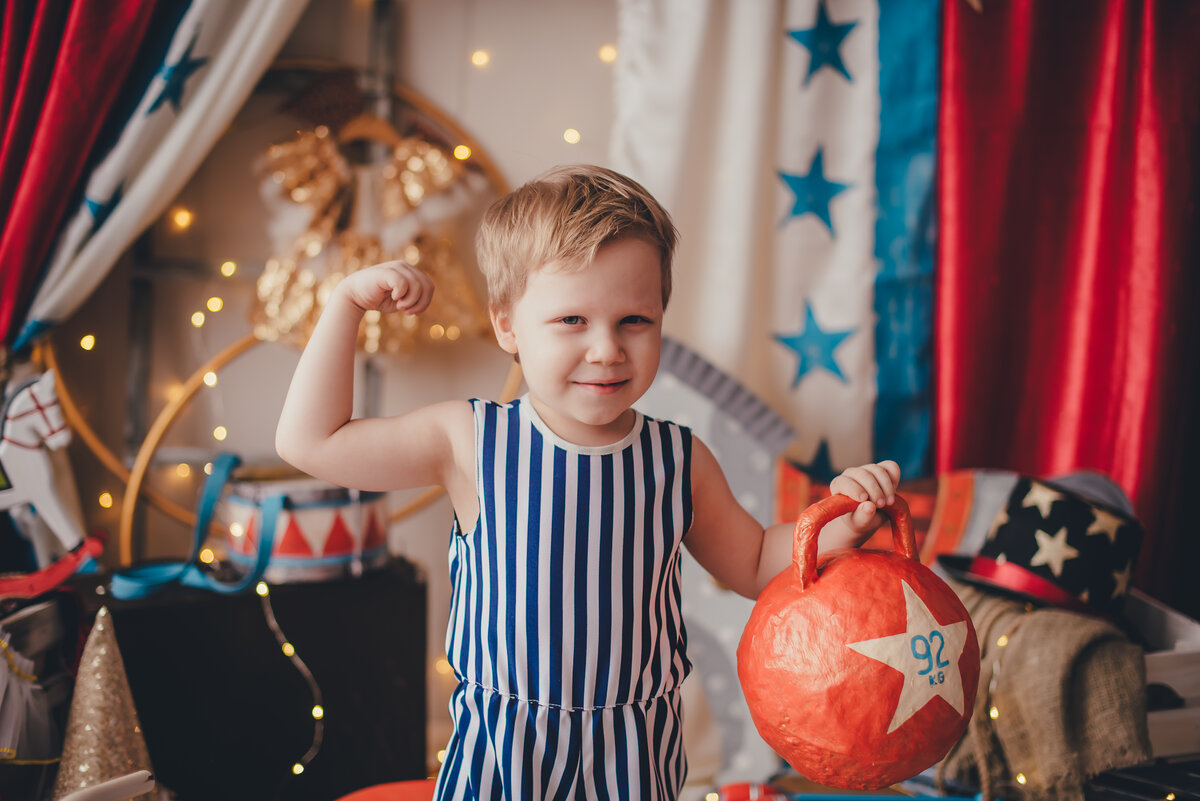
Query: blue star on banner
column 101, row 209
column 814, row 346
column 175, row 76
column 813, row 191
column 823, row 41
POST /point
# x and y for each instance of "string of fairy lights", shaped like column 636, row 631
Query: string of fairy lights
column 180, row 219
column 289, row 650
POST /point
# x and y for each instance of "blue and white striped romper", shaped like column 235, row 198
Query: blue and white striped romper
column 565, row 626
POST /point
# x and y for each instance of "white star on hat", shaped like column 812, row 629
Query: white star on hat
column 1122, row 578
column 1001, row 519
column 927, row 653
column 1105, row 523
column 1052, row 551
column 1041, row 496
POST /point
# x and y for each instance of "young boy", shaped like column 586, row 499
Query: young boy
column 569, row 505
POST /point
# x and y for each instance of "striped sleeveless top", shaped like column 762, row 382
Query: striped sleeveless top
column 566, row 593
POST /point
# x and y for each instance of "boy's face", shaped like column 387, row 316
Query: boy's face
column 589, row 340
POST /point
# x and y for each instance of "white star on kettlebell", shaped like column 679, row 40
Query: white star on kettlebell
column 926, row 653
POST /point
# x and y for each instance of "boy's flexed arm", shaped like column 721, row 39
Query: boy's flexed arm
column 728, row 542
column 316, row 433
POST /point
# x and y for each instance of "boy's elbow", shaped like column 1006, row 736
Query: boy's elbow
column 281, row 450
column 749, row 591
column 288, row 449
column 755, row 588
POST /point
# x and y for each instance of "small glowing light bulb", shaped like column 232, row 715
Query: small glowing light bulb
column 297, row 769
column 462, row 152
column 608, row 53
column 261, row 588
column 993, row 713
column 182, row 218
column 480, row 58
column 207, row 556
column 442, row 665
column 220, row 433
column 1021, row 778
column 215, row 304
column 288, row 649
column 236, row 530
column 105, row 500
column 208, row 468
column 183, row 470
column 572, row 136
column 318, row 712
column 441, row 756
column 210, row 379
column 87, row 342
column 713, row 797
column 1002, row 641
column 198, row 318
column 228, row 268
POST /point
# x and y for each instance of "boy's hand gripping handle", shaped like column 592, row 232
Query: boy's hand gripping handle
column 814, row 518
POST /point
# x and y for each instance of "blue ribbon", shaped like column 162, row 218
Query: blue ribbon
column 139, row 582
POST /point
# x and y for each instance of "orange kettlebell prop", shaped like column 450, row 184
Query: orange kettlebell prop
column 861, row 671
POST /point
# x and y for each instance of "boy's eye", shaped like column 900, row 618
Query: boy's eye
column 635, row 319
column 571, row 319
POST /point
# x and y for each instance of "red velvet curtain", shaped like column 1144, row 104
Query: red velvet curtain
column 62, row 65
column 1068, row 279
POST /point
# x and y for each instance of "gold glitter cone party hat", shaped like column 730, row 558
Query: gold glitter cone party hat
column 104, row 738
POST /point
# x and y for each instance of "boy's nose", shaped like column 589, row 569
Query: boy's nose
column 604, row 349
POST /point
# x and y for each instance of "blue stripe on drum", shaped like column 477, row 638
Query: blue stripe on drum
column 312, row 561
column 345, row 500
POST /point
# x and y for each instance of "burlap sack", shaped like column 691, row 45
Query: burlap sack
column 1069, row 698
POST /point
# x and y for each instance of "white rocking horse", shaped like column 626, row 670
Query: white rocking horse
column 41, row 494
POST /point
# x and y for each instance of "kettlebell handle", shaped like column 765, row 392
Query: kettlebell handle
column 814, row 518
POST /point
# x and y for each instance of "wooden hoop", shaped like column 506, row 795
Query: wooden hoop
column 135, row 477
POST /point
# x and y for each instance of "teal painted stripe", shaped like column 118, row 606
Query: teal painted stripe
column 904, row 232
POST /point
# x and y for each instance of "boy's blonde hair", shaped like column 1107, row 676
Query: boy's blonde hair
column 566, row 215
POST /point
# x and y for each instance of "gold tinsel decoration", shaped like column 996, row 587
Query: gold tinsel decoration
column 416, row 169
column 310, row 171
column 104, row 738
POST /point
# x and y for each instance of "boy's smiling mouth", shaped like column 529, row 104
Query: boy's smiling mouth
column 603, row 386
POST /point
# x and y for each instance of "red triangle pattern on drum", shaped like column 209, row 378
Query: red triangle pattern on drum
column 374, row 537
column 248, row 542
column 340, row 542
column 293, row 542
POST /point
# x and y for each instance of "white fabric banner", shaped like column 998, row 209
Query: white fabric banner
column 217, row 55
column 741, row 119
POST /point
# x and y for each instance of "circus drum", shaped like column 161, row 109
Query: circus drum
column 862, row 673
column 324, row 531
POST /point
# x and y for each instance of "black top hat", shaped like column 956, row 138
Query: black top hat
column 1054, row 546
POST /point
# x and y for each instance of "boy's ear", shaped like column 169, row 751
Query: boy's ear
column 502, row 325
